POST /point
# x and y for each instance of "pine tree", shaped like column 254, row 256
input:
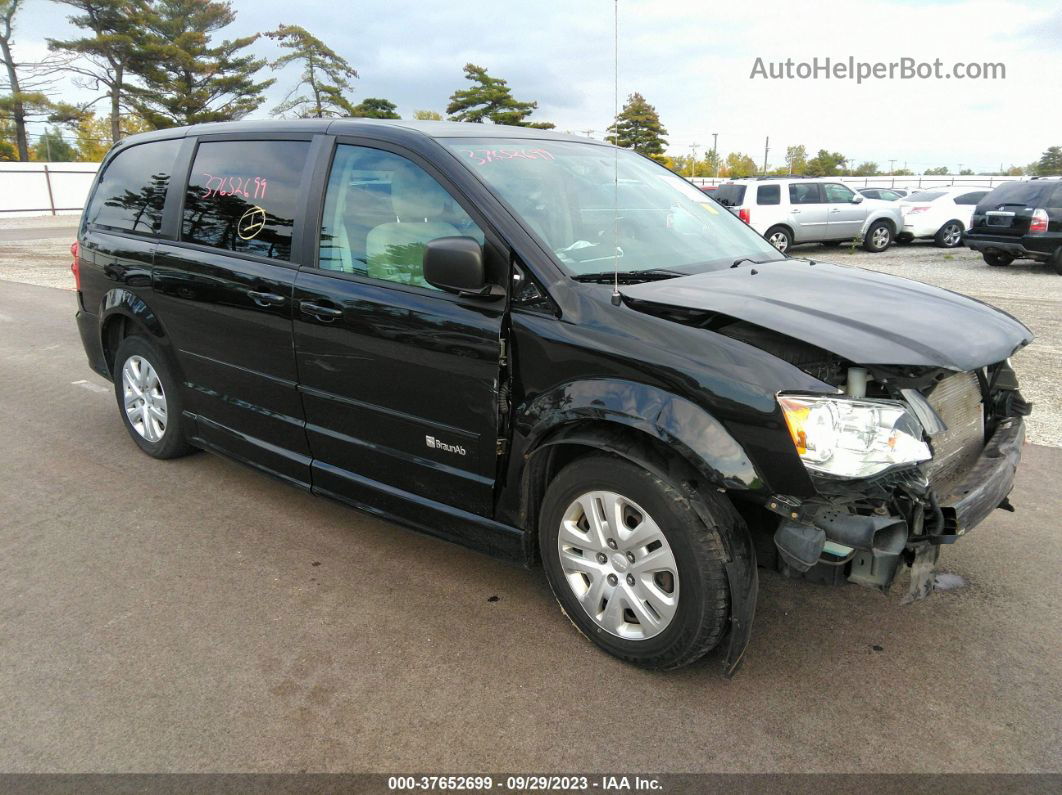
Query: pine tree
column 638, row 127
column 1050, row 162
column 186, row 77
column 325, row 75
column 107, row 54
column 490, row 99
column 375, row 108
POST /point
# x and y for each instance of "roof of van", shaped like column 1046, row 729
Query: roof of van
column 429, row 129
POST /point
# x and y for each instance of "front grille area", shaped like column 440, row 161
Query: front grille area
column 957, row 400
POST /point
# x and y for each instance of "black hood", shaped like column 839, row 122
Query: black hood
column 866, row 317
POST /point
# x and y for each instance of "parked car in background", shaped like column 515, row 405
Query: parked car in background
column 884, row 194
column 708, row 188
column 792, row 210
column 1019, row 220
column 942, row 214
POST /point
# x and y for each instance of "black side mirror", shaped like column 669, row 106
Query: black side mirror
column 455, row 264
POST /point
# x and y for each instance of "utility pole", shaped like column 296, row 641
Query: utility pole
column 693, row 159
column 892, row 164
column 766, row 149
column 715, row 154
column 587, row 133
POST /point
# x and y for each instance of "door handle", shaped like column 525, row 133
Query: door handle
column 795, row 212
column 835, row 210
column 323, row 313
column 265, row 299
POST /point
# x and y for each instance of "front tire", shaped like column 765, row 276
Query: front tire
column 149, row 399
column 878, row 237
column 779, row 237
column 949, row 235
column 632, row 564
column 997, row 260
column 1056, row 261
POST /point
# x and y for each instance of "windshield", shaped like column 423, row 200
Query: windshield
column 566, row 193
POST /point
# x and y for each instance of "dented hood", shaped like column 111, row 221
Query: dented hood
column 865, row 317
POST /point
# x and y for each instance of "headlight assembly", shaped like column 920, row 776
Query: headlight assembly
column 853, row 438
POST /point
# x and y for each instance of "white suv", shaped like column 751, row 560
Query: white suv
column 791, row 210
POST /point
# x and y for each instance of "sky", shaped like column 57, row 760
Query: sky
column 693, row 60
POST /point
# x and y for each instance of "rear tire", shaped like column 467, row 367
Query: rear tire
column 613, row 533
column 149, row 399
column 878, row 237
column 1056, row 261
column 779, row 237
column 949, row 235
column 997, row 260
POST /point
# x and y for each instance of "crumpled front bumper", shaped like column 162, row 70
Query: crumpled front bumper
column 986, row 485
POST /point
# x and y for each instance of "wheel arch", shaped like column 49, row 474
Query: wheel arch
column 123, row 312
column 571, row 441
column 782, row 225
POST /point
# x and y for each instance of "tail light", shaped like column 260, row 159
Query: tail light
column 75, row 267
column 1038, row 223
column 744, row 215
column 921, row 208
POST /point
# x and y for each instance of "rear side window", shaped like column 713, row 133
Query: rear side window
column 971, row 198
column 242, row 195
column 805, row 193
column 730, row 195
column 132, row 189
column 838, row 194
column 1056, row 197
column 769, row 194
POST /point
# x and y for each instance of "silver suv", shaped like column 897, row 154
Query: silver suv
column 791, row 210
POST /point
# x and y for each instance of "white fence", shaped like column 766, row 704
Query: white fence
column 915, row 181
column 44, row 188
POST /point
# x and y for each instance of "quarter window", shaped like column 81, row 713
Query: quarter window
column 380, row 213
column 769, row 194
column 132, row 189
column 242, row 196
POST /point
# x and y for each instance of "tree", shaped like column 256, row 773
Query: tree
column 825, row 164
column 8, row 150
column 186, row 77
column 866, row 169
column 966, row 172
column 375, row 108
column 490, row 99
column 106, row 56
column 1050, row 162
column 1014, row 171
column 427, row 115
column 941, row 171
column 638, row 127
column 325, row 75
column 27, row 85
column 796, row 159
column 738, row 164
column 903, row 172
column 51, row 147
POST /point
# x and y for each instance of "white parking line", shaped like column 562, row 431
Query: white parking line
column 90, row 386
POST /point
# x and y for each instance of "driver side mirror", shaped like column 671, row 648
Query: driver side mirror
column 455, row 264
column 858, row 198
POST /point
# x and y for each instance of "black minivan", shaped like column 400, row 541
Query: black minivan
column 550, row 349
column 1019, row 220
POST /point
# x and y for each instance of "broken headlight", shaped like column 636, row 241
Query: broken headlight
column 853, row 438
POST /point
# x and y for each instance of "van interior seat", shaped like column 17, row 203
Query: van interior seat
column 395, row 250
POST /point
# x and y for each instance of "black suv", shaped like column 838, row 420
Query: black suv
column 1019, row 220
column 549, row 349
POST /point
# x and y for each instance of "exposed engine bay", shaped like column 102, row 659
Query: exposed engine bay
column 862, row 529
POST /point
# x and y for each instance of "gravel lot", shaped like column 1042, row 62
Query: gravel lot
column 1030, row 292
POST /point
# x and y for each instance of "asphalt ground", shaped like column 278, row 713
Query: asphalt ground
column 196, row 616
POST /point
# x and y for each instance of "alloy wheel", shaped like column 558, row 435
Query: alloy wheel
column 145, row 400
column 952, row 235
column 880, row 238
column 779, row 241
column 619, row 565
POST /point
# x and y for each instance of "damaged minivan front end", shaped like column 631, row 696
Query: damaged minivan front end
column 916, row 433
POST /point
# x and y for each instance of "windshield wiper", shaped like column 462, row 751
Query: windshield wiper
column 752, row 261
column 628, row 277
